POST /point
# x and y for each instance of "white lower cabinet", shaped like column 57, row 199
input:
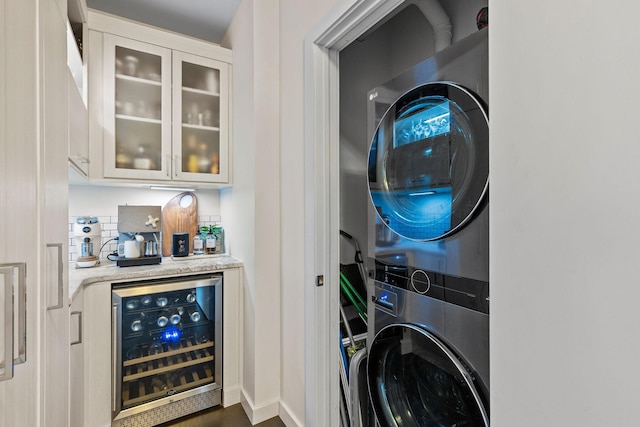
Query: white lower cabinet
column 159, row 106
column 92, row 351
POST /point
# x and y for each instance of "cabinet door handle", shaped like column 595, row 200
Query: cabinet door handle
column 60, row 276
column 12, row 273
column 114, row 357
column 176, row 165
column 167, row 164
column 79, row 340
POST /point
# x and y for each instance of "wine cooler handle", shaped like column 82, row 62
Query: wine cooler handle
column 114, row 357
column 79, row 340
column 8, row 361
column 60, row 303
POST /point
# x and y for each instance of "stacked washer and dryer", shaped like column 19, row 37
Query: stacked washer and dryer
column 428, row 344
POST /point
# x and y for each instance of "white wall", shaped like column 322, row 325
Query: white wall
column 99, row 200
column 297, row 19
column 240, row 199
column 254, row 200
column 564, row 213
column 272, row 200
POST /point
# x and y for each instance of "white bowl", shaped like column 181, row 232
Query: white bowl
column 85, row 264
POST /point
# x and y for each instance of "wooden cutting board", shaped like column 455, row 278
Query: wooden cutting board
column 179, row 215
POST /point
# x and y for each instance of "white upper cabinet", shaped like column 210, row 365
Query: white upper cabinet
column 137, row 109
column 158, row 106
column 200, row 117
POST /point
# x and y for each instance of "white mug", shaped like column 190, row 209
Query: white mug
column 129, row 249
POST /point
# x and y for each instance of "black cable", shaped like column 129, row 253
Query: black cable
column 100, row 251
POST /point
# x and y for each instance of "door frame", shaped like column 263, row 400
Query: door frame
column 322, row 46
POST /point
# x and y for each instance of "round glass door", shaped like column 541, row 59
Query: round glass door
column 415, row 380
column 429, row 161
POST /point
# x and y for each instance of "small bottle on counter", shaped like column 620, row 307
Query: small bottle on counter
column 218, row 232
column 210, row 242
column 198, row 241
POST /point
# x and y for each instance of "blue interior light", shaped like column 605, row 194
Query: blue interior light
column 422, row 193
column 171, row 335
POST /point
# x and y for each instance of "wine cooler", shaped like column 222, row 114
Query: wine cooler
column 167, row 348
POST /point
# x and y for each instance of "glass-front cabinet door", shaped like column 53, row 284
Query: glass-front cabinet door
column 200, row 118
column 137, row 137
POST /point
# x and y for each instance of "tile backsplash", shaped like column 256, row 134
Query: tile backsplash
column 109, row 226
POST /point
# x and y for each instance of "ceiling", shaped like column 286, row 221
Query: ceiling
column 203, row 19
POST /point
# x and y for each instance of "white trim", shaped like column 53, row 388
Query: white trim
column 231, row 396
column 317, row 360
column 259, row 414
column 321, row 101
column 287, row 417
column 106, row 23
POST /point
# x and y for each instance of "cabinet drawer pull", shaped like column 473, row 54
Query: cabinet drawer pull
column 60, row 276
column 12, row 273
column 79, row 340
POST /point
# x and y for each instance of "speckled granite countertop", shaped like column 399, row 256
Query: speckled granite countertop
column 108, row 271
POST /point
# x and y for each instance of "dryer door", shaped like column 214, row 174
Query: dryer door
column 429, row 161
column 415, row 380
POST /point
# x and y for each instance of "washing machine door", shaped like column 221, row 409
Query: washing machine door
column 429, row 161
column 415, row 380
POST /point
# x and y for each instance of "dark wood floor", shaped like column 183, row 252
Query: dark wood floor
column 232, row 416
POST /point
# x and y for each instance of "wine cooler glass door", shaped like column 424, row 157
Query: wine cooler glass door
column 166, row 342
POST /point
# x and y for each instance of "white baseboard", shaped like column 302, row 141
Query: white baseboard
column 263, row 413
column 231, row 396
column 288, row 418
